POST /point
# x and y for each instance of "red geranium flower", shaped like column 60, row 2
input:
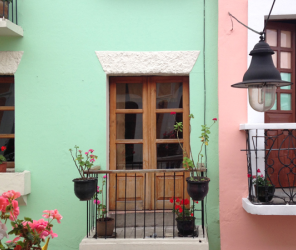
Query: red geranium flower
column 191, row 214
column 249, row 175
column 18, row 247
column 258, row 170
column 171, row 200
column 180, row 210
column 3, row 148
column 177, row 200
column 186, row 202
column 196, row 202
column 214, row 119
column 177, row 207
column 173, row 113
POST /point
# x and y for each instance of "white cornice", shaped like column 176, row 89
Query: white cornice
column 9, row 61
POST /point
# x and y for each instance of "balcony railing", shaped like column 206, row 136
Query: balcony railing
column 140, row 202
column 9, row 11
column 271, row 163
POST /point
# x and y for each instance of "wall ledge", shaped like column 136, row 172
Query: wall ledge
column 17, row 181
column 249, row 126
column 268, row 209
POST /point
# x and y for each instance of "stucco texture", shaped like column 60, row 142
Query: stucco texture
column 240, row 230
column 61, row 91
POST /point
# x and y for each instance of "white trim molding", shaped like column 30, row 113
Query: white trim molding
column 9, row 61
column 147, row 63
column 268, row 209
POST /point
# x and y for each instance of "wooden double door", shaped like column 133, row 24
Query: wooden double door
column 143, row 112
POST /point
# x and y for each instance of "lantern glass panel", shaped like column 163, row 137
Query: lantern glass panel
column 262, row 98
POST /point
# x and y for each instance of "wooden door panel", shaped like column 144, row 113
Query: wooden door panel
column 164, row 185
column 129, row 189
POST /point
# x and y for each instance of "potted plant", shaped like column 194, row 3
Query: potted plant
column 84, row 187
column 185, row 219
column 29, row 233
column 4, row 8
column 105, row 225
column 197, row 185
column 264, row 190
column 3, row 163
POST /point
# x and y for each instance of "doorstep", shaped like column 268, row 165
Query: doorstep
column 169, row 243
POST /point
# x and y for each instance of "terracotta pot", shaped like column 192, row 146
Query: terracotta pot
column 185, row 225
column 105, row 226
column 198, row 188
column 5, row 9
column 85, row 189
column 3, row 167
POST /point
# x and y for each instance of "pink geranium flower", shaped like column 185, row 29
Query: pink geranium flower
column 92, row 160
column 91, row 150
column 214, row 119
column 3, row 204
column 105, row 176
column 258, row 170
column 249, row 175
column 11, row 195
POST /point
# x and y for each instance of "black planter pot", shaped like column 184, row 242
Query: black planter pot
column 85, row 189
column 197, row 188
column 265, row 195
column 185, row 225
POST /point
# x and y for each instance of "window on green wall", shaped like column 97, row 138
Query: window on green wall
column 7, row 119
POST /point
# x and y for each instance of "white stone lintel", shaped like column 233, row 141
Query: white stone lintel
column 17, row 181
column 268, row 209
column 261, row 126
column 9, row 61
column 147, row 63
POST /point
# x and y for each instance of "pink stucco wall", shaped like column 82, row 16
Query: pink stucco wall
column 240, row 230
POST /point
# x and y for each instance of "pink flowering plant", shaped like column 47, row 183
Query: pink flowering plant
column 83, row 162
column 259, row 179
column 28, row 233
column 102, row 211
column 188, row 161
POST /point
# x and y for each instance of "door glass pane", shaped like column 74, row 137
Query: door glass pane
column 285, row 39
column 271, row 37
column 129, row 126
column 7, row 94
column 285, row 60
column 169, row 155
column 6, row 122
column 286, row 77
column 129, row 156
column 274, row 107
column 9, row 151
column 165, row 125
column 169, row 95
column 285, row 101
column 274, row 58
column 129, row 96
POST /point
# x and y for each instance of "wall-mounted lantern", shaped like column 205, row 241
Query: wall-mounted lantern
column 262, row 78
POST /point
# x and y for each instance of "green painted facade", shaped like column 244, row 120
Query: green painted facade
column 60, row 90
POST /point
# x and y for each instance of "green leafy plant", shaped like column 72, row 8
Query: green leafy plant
column 180, row 209
column 188, row 162
column 83, row 163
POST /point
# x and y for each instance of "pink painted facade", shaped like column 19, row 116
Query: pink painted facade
column 240, row 230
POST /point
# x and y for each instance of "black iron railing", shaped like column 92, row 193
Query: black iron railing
column 134, row 218
column 271, row 158
column 8, row 10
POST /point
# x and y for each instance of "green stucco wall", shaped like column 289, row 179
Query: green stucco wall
column 61, row 91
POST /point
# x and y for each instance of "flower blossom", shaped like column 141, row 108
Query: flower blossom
column 3, row 148
column 14, row 210
column 258, row 170
column 105, row 176
column 214, row 119
column 249, row 175
column 173, row 113
column 98, row 189
column 91, row 150
column 92, row 160
column 97, row 202
column 11, row 195
column 3, row 204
